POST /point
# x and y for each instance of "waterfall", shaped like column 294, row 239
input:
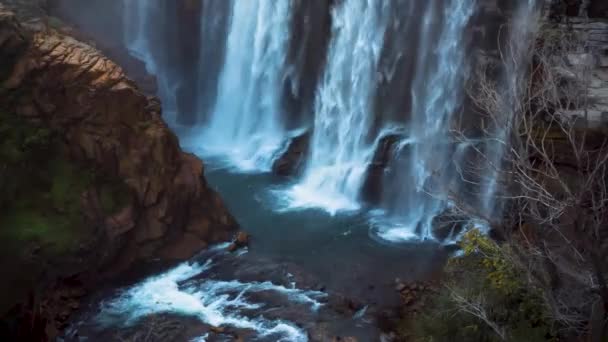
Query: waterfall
column 246, row 121
column 388, row 67
column 423, row 178
column 145, row 35
column 214, row 27
column 517, row 54
column 343, row 108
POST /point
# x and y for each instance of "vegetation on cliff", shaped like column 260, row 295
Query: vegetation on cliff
column 484, row 298
column 92, row 178
column 41, row 212
column 545, row 276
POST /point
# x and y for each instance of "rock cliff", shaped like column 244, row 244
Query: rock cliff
column 106, row 123
column 69, row 86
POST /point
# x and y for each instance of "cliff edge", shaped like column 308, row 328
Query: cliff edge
column 106, row 126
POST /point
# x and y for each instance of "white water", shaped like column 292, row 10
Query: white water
column 246, row 128
column 187, row 290
column 436, row 96
column 344, row 103
column 246, row 125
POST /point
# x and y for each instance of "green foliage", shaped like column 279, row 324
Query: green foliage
column 42, row 189
column 500, row 272
column 484, row 273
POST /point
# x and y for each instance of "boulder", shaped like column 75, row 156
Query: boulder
column 241, row 240
column 292, row 160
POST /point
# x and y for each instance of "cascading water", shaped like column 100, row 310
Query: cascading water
column 344, row 104
column 246, row 124
column 436, row 97
column 214, row 27
column 516, row 55
column 388, row 64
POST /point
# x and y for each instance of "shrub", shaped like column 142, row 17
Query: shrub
column 484, row 296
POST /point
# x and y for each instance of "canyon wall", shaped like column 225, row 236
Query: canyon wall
column 64, row 84
column 107, row 125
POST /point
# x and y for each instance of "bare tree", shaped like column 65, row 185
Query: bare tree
column 476, row 306
column 551, row 172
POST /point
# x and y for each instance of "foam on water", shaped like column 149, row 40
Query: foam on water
column 186, row 290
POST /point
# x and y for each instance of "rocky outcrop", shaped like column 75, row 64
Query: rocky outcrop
column 372, row 189
column 106, row 121
column 588, row 63
column 291, row 161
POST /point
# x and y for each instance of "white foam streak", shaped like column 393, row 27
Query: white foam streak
column 184, row 291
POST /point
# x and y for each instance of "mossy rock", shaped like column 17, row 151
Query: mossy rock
column 41, row 214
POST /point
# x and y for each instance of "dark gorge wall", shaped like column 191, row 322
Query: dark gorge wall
column 174, row 40
column 214, row 23
column 102, row 124
column 310, row 35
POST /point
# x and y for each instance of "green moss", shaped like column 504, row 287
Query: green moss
column 484, row 274
column 53, row 232
column 43, row 197
column 114, row 195
column 41, row 215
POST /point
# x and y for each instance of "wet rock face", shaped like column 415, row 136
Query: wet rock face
column 373, row 185
column 107, row 122
column 291, row 162
column 309, row 41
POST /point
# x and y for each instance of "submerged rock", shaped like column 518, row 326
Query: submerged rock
column 291, row 162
